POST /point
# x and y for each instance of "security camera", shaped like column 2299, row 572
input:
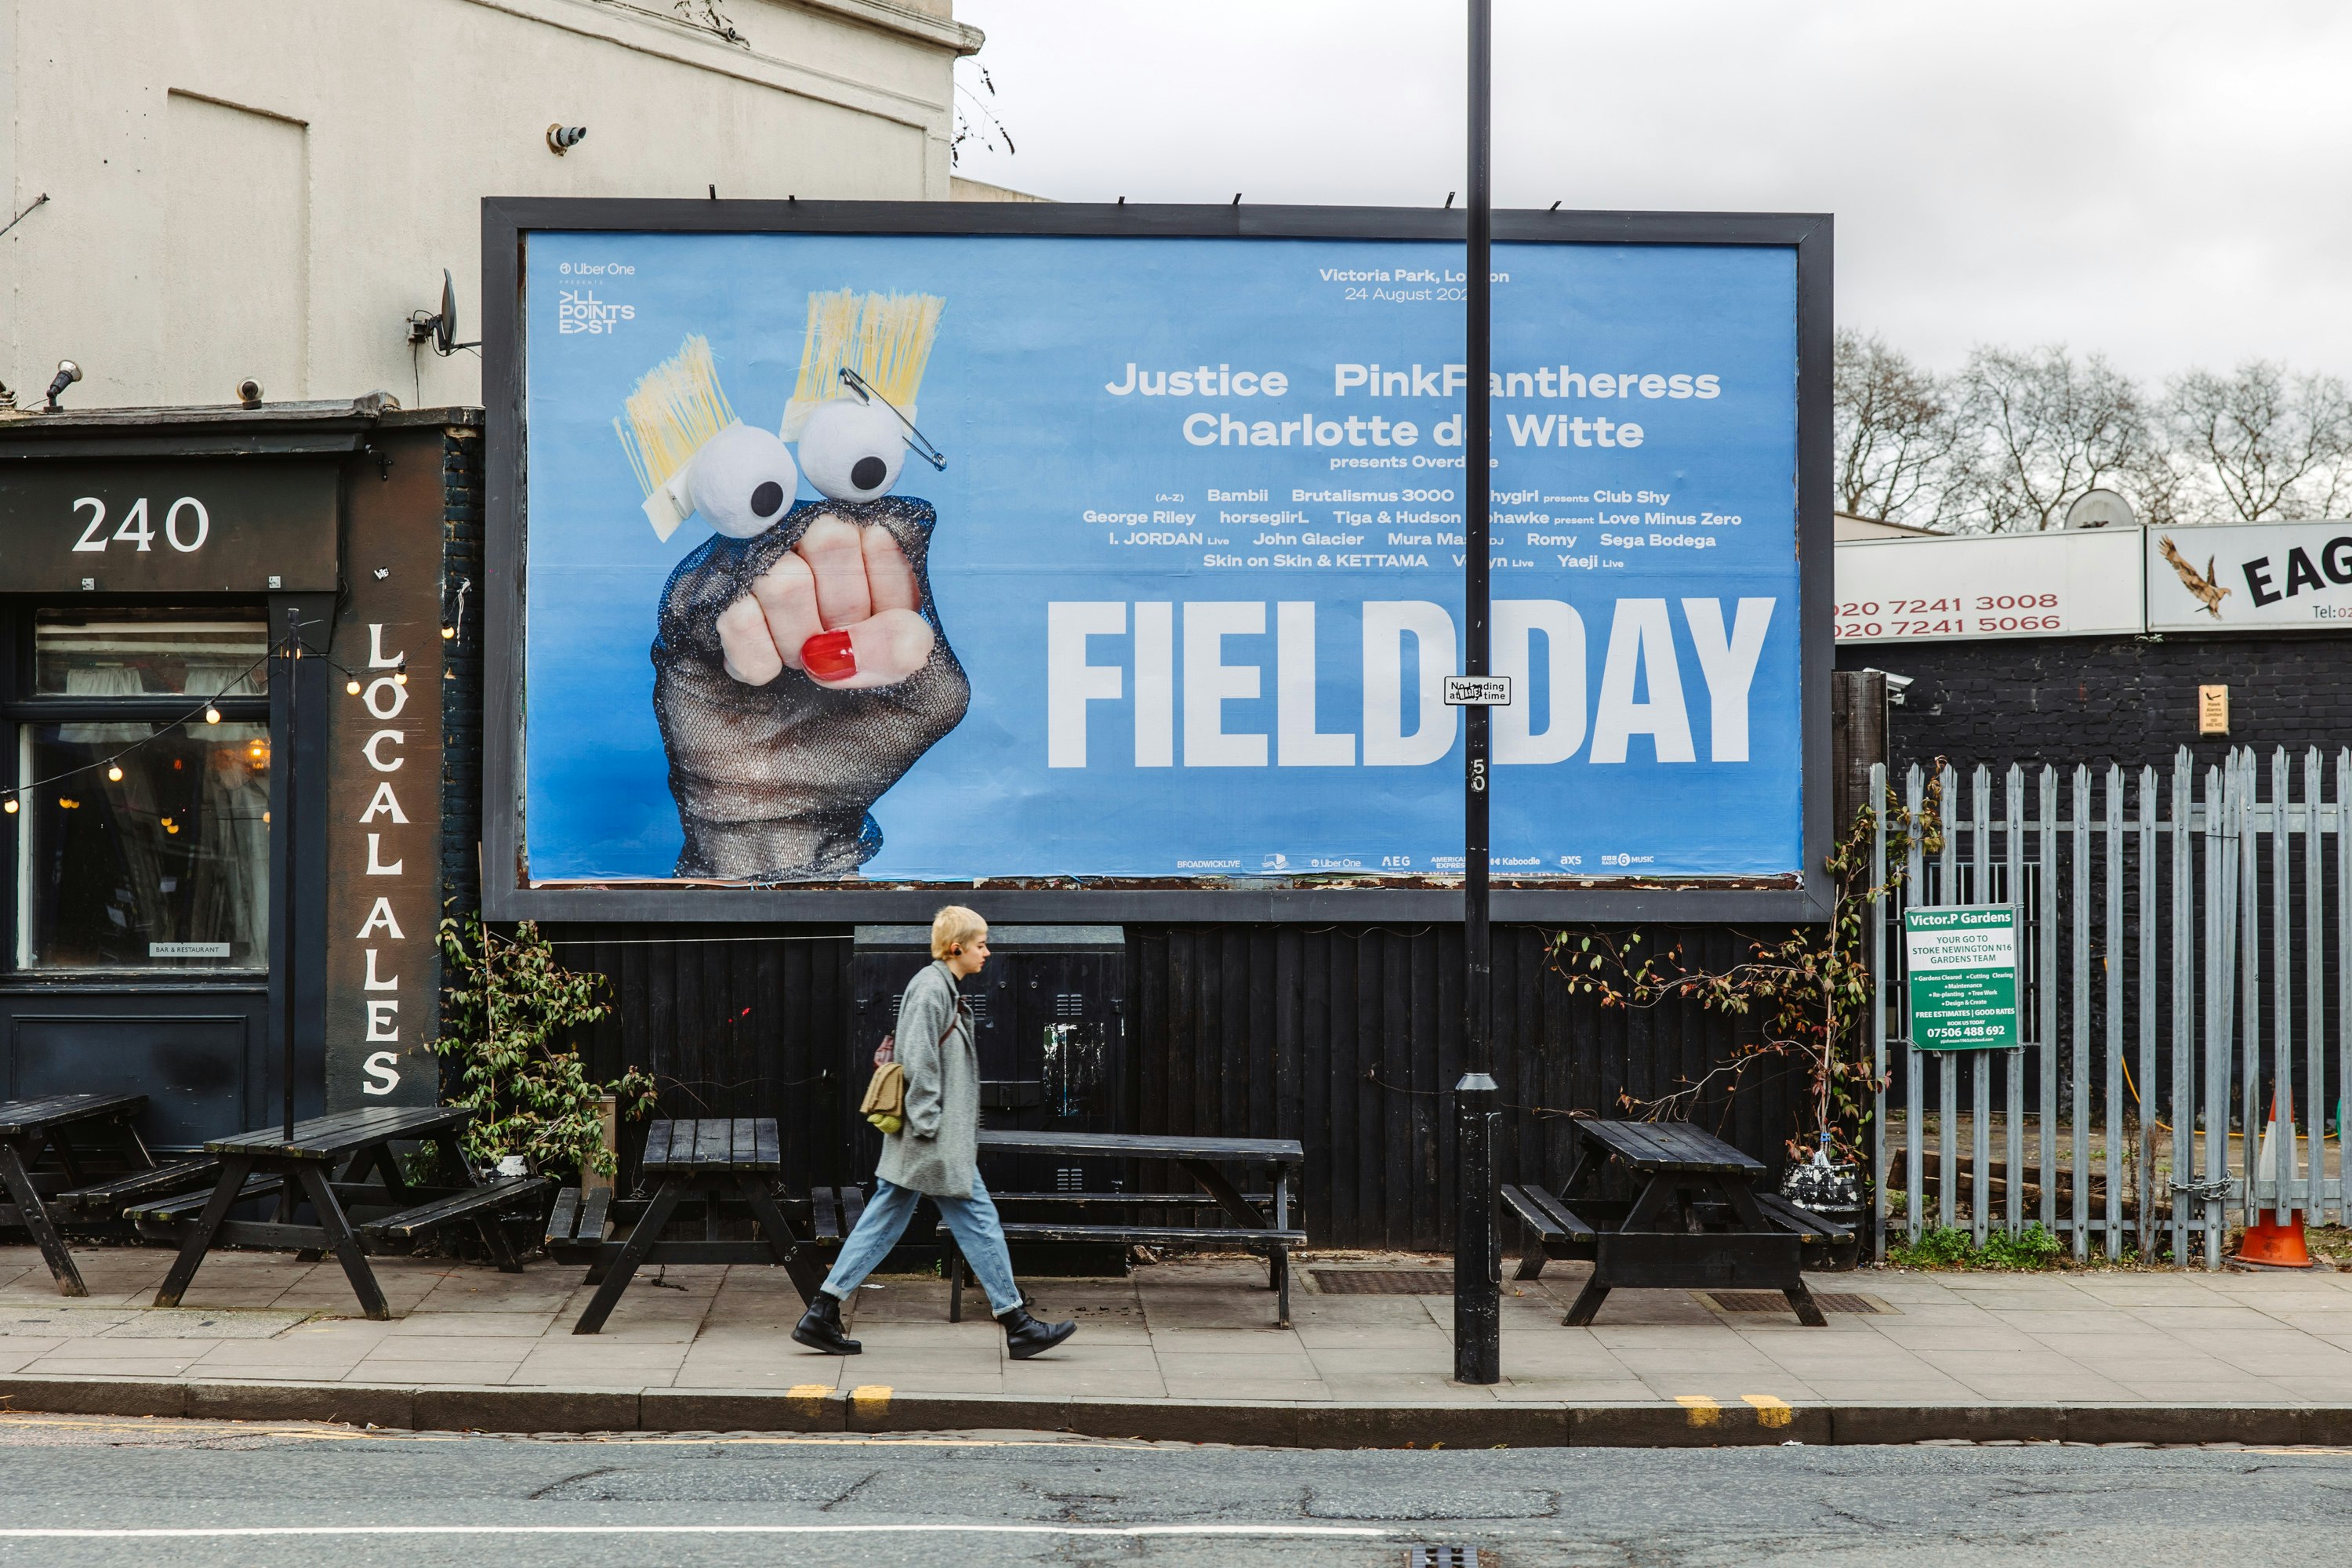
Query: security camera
column 1896, row 685
column 249, row 393
column 561, row 139
column 67, row 373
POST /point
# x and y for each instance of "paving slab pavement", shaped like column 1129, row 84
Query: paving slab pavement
column 1186, row 1342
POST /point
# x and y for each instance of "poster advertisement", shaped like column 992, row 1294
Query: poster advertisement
column 1962, row 966
column 914, row 559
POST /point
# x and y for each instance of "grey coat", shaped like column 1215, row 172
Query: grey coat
column 938, row 1148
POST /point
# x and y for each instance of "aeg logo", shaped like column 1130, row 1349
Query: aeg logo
column 579, row 311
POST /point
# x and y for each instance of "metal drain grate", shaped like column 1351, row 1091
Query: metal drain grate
column 1383, row 1281
column 1773, row 1301
column 1441, row 1557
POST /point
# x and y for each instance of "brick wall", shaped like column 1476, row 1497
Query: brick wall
column 2123, row 698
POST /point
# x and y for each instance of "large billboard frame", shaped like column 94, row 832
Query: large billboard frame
column 506, row 223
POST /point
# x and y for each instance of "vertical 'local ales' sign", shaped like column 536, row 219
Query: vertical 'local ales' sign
column 384, row 807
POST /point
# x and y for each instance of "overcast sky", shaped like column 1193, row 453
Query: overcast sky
column 2161, row 181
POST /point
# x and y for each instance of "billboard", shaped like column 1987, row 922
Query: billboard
column 853, row 557
column 2081, row 583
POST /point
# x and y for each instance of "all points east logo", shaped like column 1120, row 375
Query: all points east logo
column 579, row 311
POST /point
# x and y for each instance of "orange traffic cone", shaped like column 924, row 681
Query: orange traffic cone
column 2273, row 1241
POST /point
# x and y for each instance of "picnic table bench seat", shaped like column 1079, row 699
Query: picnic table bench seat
column 833, row 1212
column 1558, row 1230
column 111, row 1199
column 579, row 1224
column 166, row 1218
column 1826, row 1244
column 482, row 1206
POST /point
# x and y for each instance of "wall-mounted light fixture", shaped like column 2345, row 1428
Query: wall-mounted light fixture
column 67, row 373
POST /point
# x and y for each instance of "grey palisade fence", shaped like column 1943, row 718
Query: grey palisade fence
column 2185, row 949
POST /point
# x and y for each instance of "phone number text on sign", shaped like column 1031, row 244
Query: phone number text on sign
column 1862, row 619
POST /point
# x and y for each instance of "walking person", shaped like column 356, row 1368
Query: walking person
column 935, row 1154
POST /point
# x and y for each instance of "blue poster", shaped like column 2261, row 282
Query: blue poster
column 945, row 558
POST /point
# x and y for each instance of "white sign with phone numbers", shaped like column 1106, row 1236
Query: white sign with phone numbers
column 2079, row 582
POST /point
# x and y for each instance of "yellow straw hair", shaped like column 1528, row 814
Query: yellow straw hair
column 885, row 338
column 676, row 407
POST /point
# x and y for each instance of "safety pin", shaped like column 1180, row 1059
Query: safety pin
column 916, row 440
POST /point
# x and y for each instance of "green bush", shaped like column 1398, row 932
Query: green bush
column 2032, row 1248
column 1951, row 1247
column 512, row 1012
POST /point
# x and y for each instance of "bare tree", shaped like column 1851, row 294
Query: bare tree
column 1895, row 433
column 2261, row 442
column 2044, row 428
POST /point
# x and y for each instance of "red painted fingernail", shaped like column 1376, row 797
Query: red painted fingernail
column 829, row 656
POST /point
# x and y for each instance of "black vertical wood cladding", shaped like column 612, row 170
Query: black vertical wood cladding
column 1346, row 1038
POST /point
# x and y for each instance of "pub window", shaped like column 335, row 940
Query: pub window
column 165, row 868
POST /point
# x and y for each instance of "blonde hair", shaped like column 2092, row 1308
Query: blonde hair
column 954, row 926
column 675, row 408
column 885, row 338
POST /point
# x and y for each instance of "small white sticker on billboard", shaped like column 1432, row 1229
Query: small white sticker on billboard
column 1477, row 691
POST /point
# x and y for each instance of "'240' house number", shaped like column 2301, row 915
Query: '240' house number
column 186, row 514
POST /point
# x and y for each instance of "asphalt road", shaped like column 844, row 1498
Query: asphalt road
column 90, row 1490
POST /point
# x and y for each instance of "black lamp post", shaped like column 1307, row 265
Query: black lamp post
column 289, row 654
column 1477, row 1263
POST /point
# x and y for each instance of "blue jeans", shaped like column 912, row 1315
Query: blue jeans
column 971, row 1221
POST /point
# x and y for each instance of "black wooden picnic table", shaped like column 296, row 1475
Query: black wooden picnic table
column 393, row 1213
column 1254, row 1228
column 62, row 1126
column 711, row 1157
column 1697, row 1220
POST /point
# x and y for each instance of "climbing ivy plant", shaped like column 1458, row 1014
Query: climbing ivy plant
column 1809, row 994
column 513, row 1011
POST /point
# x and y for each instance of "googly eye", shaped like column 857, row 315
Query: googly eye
column 852, row 450
column 743, row 480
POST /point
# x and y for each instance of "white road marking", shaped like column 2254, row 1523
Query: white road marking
column 221, row 1531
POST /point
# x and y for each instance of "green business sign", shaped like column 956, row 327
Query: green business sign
column 1963, row 968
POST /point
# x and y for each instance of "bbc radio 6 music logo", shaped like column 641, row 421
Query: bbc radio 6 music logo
column 579, row 311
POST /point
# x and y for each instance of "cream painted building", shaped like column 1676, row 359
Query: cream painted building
column 268, row 188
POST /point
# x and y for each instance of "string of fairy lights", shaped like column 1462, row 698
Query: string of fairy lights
column 12, row 797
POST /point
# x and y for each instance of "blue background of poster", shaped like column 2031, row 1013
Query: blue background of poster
column 1033, row 331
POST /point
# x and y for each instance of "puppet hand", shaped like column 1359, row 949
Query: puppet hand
column 841, row 606
column 799, row 675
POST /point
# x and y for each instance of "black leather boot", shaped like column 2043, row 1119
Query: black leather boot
column 820, row 1327
column 1024, row 1336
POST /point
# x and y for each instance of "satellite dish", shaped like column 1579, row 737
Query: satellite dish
column 440, row 331
column 2100, row 509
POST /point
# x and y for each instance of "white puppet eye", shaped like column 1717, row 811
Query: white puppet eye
column 743, row 480
column 852, row 450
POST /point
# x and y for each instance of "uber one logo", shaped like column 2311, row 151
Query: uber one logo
column 579, row 311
